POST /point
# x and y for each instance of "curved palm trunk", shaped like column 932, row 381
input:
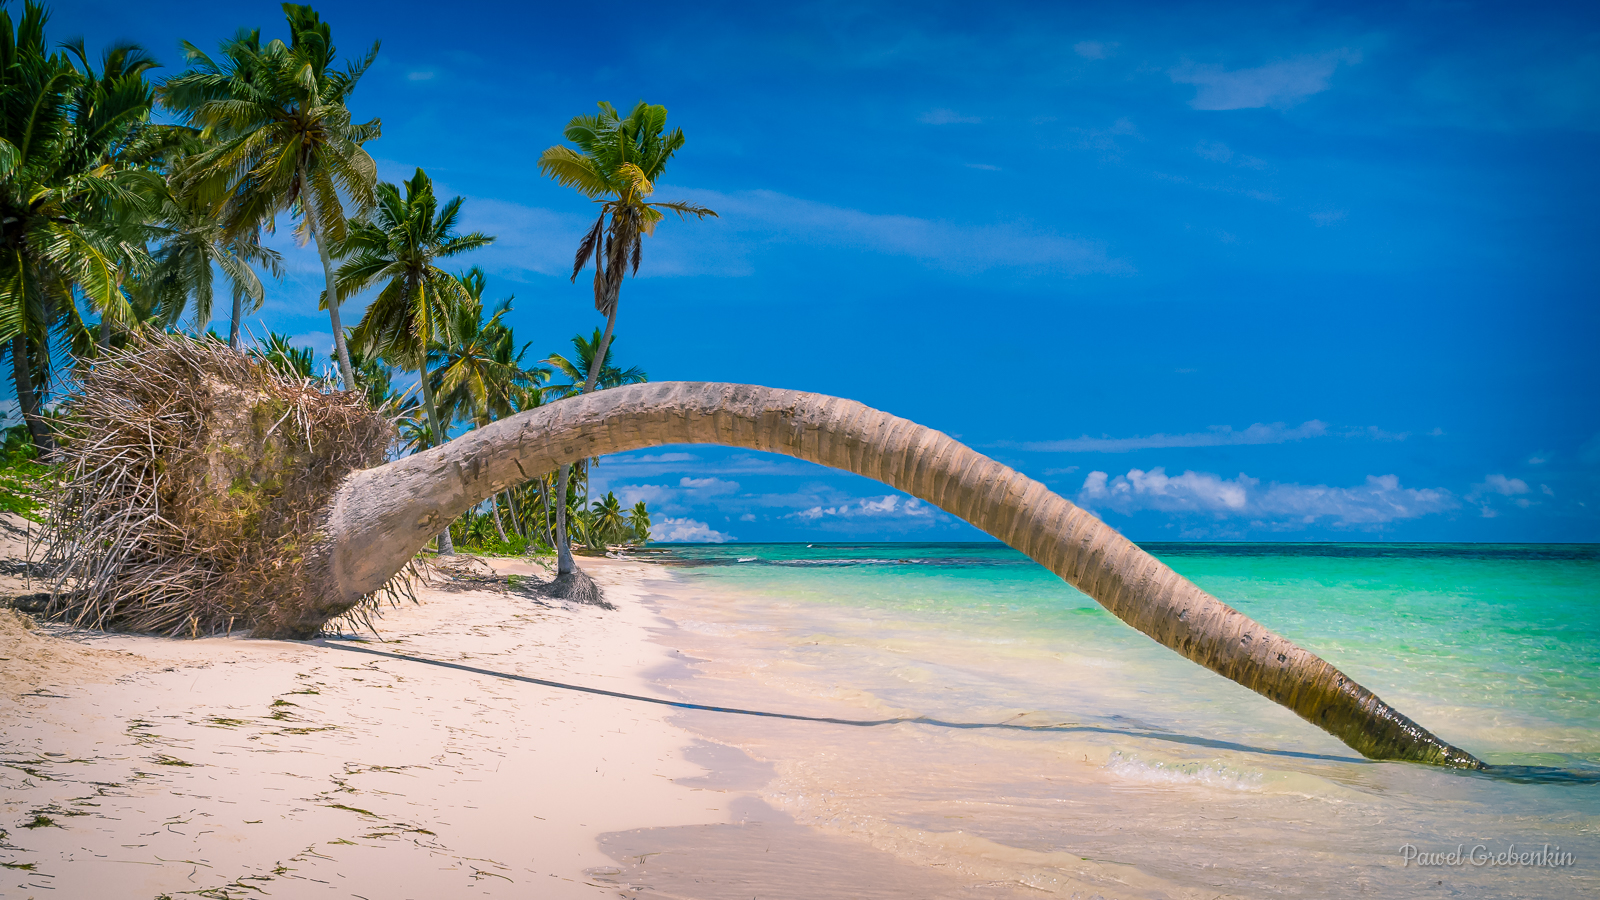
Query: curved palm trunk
column 381, row 517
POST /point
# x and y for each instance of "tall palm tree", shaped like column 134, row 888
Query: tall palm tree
column 616, row 164
column 285, row 138
column 69, row 144
column 397, row 248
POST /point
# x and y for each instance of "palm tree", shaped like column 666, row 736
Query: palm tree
column 285, row 358
column 609, row 524
column 397, row 248
column 70, row 151
column 617, row 163
column 285, row 138
column 639, row 521
column 479, row 372
column 196, row 241
column 578, row 368
column 385, row 515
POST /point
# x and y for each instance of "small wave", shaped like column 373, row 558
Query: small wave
column 1132, row 768
column 748, row 558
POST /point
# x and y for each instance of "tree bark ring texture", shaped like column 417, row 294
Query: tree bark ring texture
column 383, row 516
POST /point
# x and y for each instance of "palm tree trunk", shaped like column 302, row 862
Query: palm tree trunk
column 308, row 207
column 494, row 504
column 28, row 399
column 238, row 313
column 564, row 561
column 447, row 546
column 105, row 322
column 382, row 516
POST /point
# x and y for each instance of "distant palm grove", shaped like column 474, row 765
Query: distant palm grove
column 115, row 225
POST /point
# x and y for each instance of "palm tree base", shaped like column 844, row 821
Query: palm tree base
column 577, row 587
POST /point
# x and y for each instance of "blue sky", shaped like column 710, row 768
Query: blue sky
column 1268, row 271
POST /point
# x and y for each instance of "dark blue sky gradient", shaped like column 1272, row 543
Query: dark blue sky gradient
column 1026, row 225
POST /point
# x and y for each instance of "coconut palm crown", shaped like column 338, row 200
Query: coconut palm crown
column 285, row 137
column 72, row 146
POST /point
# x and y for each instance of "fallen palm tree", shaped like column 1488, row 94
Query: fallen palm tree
column 194, row 483
column 379, row 518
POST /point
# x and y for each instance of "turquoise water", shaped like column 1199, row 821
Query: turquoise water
column 1494, row 648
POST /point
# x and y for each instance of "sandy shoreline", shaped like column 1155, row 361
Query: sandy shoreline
column 143, row 767
column 150, row 766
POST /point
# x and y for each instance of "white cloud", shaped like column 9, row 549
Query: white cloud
column 750, row 219
column 1380, row 500
column 1279, row 85
column 1545, row 488
column 1499, row 484
column 1216, row 151
column 1328, row 217
column 420, row 75
column 1218, row 436
column 984, row 166
column 887, row 506
column 946, row 117
column 686, row 531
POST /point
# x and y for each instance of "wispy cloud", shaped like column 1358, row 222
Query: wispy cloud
column 1498, row 484
column 1219, row 436
column 751, row 219
column 946, row 117
column 1284, row 506
column 1280, row 84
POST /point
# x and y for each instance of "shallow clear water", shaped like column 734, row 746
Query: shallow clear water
column 1138, row 758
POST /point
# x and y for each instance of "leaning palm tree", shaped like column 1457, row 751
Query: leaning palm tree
column 397, row 248
column 616, row 164
column 285, row 138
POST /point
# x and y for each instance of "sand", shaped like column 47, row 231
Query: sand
column 139, row 766
column 145, row 767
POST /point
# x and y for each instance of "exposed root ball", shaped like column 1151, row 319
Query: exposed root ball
column 194, row 482
column 577, row 587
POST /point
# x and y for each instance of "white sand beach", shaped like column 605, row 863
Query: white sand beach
column 146, row 767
